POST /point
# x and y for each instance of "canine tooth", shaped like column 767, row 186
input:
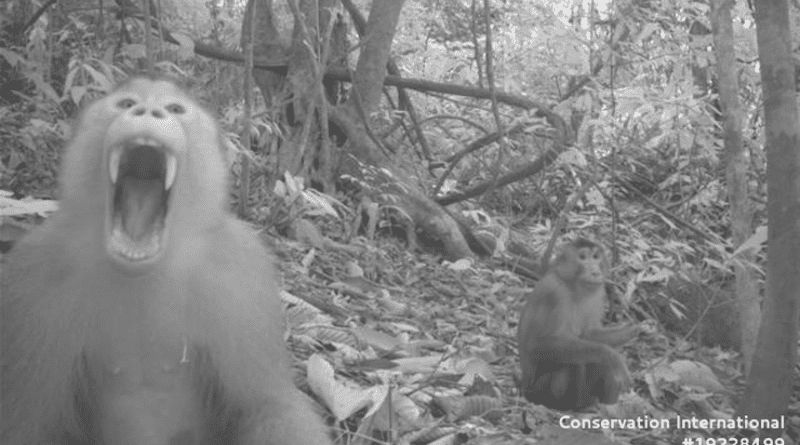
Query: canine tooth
column 113, row 165
column 172, row 169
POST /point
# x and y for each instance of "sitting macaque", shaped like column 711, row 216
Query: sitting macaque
column 567, row 358
column 143, row 312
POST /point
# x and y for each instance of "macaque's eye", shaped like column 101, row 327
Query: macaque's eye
column 126, row 103
column 176, row 108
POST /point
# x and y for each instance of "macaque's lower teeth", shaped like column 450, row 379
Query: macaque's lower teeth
column 172, row 169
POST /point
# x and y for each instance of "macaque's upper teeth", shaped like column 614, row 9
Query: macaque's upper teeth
column 172, row 169
column 144, row 141
column 113, row 165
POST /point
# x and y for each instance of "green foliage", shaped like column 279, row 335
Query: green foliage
column 636, row 83
column 60, row 69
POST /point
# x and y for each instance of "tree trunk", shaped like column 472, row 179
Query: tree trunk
column 736, row 165
column 294, row 99
column 305, row 149
column 770, row 383
column 368, row 84
column 447, row 235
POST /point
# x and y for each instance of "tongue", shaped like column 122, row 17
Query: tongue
column 141, row 205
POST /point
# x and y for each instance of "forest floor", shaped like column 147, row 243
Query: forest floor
column 427, row 350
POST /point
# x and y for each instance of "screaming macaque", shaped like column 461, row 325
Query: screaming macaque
column 143, row 312
column 567, row 358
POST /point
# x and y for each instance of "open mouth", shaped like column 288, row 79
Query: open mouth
column 142, row 172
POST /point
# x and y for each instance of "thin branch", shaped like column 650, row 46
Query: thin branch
column 37, row 15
